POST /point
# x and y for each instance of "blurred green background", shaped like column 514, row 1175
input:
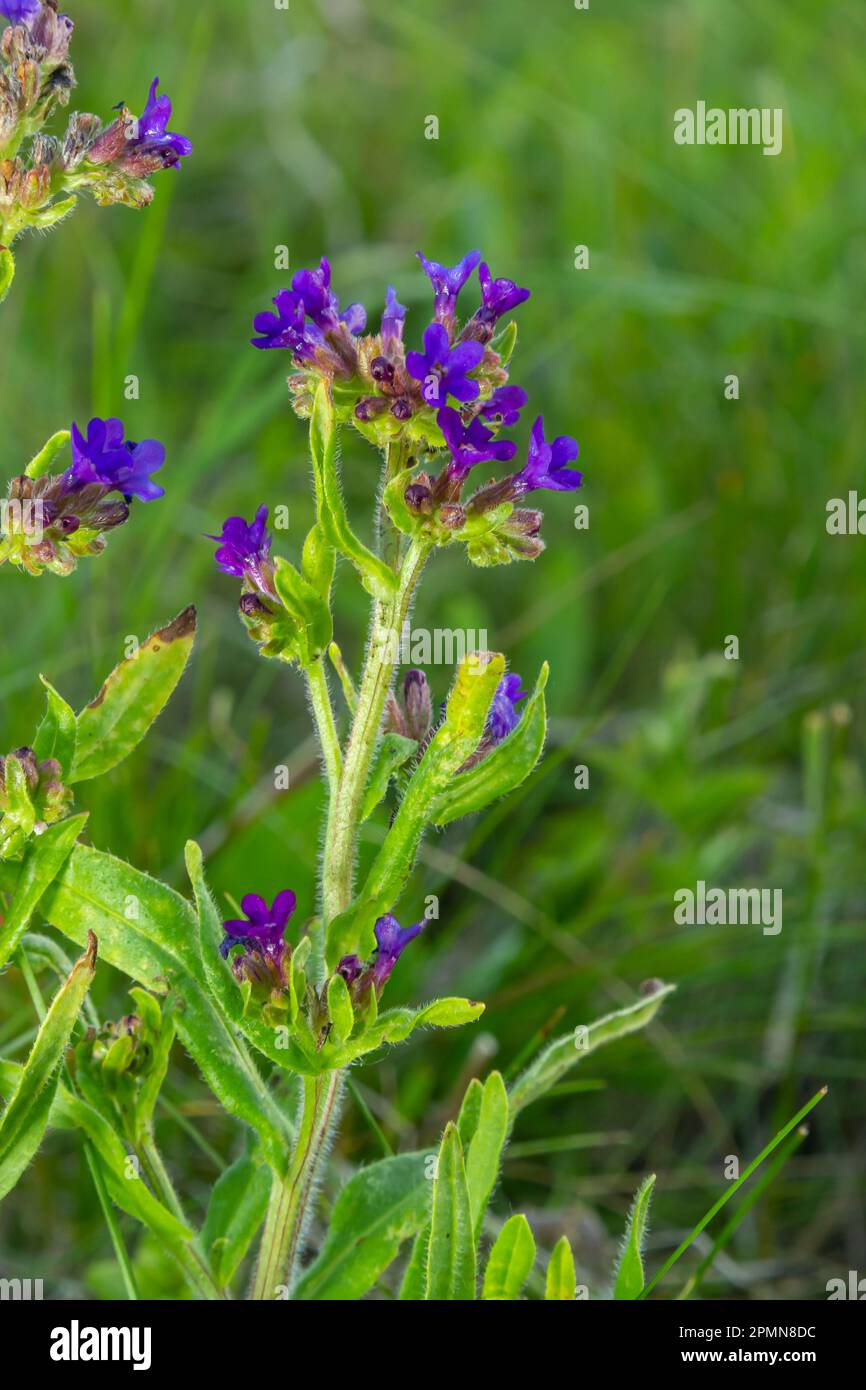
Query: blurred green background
column 707, row 519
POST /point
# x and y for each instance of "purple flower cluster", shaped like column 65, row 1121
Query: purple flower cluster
column 309, row 322
column 244, row 550
column 105, row 457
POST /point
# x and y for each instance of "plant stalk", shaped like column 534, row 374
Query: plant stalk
column 290, row 1196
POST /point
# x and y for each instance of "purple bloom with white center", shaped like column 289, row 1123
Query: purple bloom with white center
column 393, row 318
column 153, row 138
column 443, row 369
column 118, row 465
column 262, row 928
column 244, row 550
column 470, row 444
column 447, row 282
column 504, row 716
column 507, row 403
column 497, row 296
column 546, row 464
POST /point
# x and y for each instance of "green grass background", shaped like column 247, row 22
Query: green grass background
column 707, row 519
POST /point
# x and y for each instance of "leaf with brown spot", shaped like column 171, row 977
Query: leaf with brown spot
column 134, row 695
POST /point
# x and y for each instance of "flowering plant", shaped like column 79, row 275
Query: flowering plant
column 253, row 991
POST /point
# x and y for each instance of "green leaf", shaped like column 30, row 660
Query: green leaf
column 377, row 1210
column 26, row 1116
column 235, row 1212
column 509, row 764
column 151, row 933
column 413, row 1286
column 629, row 1279
column 378, row 579
column 7, row 271
column 470, row 1111
column 340, row 1009
column 135, row 693
column 562, row 1054
column 561, row 1279
column 55, row 737
column 43, row 860
column 510, row 1261
column 309, row 611
column 41, row 462
column 319, row 562
column 485, row 1149
column 451, row 1256
column 396, row 1025
column 394, row 750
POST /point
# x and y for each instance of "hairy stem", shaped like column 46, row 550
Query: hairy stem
column 382, row 652
column 320, row 701
column 290, row 1196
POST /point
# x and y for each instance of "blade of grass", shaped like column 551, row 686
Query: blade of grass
column 726, row 1197
column 693, row 1283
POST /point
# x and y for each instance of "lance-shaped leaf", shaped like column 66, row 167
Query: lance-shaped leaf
column 135, row 693
column 510, row 1261
column 42, row 462
column 394, row 750
column 151, row 934
column 484, row 1152
column 451, row 1253
column 561, row 1282
column 308, row 610
column 43, row 860
column 378, row 1209
column 378, row 579
column 55, row 737
column 509, row 764
column 561, row 1055
column 26, row 1116
column 457, row 737
column 629, row 1275
column 235, row 1212
column 396, row 1025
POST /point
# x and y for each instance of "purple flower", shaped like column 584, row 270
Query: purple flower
column 391, row 939
column 287, row 328
column 153, row 138
column 503, row 716
column 20, row 11
column 244, row 550
column 470, row 444
column 447, row 282
column 261, row 928
column 443, row 369
column 497, row 296
column 546, row 464
column 507, row 403
column 314, row 289
column 119, row 465
column 392, row 319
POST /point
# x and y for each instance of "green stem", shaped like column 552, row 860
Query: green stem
column 320, row 701
column 290, row 1196
column 343, row 813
